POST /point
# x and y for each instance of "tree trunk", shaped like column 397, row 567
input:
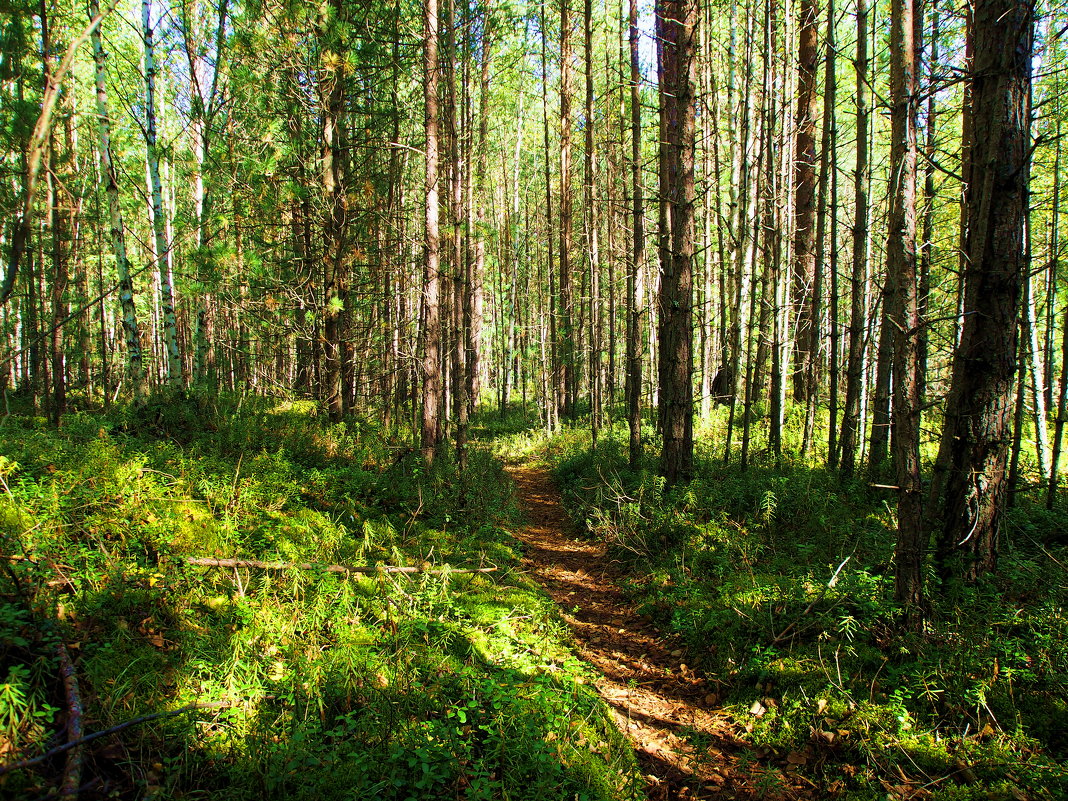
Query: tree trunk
column 132, row 337
column 940, row 470
column 676, row 25
column 592, row 244
column 335, row 221
column 903, row 312
column 477, row 266
column 556, row 374
column 431, row 305
column 835, row 366
column 1062, row 389
column 58, row 222
column 804, row 279
column 984, row 364
column 1037, row 371
column 203, row 107
column 163, row 249
column 829, row 89
column 565, row 326
column 634, row 263
column 851, row 433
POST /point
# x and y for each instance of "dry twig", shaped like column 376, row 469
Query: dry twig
column 88, row 738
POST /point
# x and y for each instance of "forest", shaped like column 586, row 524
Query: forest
column 533, row 399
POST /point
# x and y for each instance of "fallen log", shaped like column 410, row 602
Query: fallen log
column 72, row 772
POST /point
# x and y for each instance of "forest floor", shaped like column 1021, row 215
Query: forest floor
column 687, row 747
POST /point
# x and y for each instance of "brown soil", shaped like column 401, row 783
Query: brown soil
column 686, row 746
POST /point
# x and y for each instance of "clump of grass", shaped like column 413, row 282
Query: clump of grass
column 386, row 686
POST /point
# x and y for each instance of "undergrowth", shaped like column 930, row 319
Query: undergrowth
column 779, row 579
column 315, row 685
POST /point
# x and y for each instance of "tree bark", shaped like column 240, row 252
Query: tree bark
column 829, row 91
column 903, row 314
column 565, row 326
column 676, row 26
column 163, row 247
column 1062, row 389
column 430, row 432
column 132, row 337
column 592, row 243
column 634, row 263
column 335, row 256
column 851, row 433
column 804, row 280
column 984, row 364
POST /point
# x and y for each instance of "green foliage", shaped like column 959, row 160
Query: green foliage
column 781, row 579
column 406, row 687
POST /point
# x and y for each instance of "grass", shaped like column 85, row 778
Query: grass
column 419, row 687
column 779, row 578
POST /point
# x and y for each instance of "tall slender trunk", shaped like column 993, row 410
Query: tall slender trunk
column 676, row 25
column 454, row 119
column 824, row 184
column 430, row 431
column 335, row 256
column 851, row 433
column 132, row 337
column 592, row 243
column 706, row 298
column 204, row 106
column 1036, row 373
column 565, row 326
column 929, row 191
column 743, row 228
column 940, row 470
column 767, row 228
column 59, row 223
column 903, row 313
column 774, row 233
column 985, row 362
column 1062, row 390
column 634, row 263
column 805, row 265
column 1017, row 420
column 477, row 267
column 163, row 248
column 555, row 378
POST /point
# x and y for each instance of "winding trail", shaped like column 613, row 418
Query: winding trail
column 684, row 744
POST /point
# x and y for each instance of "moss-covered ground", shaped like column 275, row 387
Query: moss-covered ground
column 315, row 684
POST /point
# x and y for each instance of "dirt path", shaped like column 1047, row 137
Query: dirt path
column 685, row 746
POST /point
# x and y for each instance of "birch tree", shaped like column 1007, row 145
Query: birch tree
column 169, row 320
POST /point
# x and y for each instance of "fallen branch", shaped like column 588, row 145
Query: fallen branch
column 88, row 738
column 72, row 773
column 781, row 637
column 205, row 562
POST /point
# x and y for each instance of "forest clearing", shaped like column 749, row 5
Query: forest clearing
column 515, row 399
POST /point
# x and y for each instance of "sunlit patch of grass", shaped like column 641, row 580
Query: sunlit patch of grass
column 375, row 685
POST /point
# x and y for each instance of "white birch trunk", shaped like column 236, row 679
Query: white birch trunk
column 118, row 236
column 159, row 223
